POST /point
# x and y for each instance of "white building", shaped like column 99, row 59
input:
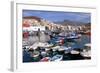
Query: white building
column 34, row 28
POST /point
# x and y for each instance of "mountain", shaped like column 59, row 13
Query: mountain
column 32, row 17
column 68, row 22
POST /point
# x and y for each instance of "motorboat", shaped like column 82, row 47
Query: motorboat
column 40, row 44
column 73, row 36
column 58, row 40
column 35, row 56
column 86, row 51
column 43, row 53
column 74, row 52
column 70, row 35
column 45, row 59
column 86, row 54
column 57, row 58
column 87, row 32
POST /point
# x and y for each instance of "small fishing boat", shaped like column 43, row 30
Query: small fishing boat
column 87, row 54
column 87, row 33
column 40, row 44
column 35, row 56
column 86, row 51
column 73, row 36
column 43, row 53
column 74, row 52
column 45, row 59
column 57, row 58
column 61, row 51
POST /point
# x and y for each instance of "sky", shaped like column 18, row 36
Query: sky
column 57, row 16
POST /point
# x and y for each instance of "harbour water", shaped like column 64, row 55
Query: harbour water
column 79, row 43
column 74, row 43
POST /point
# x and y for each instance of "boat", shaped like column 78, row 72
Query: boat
column 45, row 59
column 57, row 40
column 86, row 51
column 61, row 48
column 74, row 52
column 87, row 54
column 56, row 58
column 61, row 51
column 35, row 56
column 73, row 36
column 87, row 33
column 40, row 44
column 43, row 53
column 66, row 48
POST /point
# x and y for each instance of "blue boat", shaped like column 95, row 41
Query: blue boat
column 73, row 36
column 57, row 40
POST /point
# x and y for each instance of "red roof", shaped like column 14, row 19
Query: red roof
column 26, row 25
column 32, row 17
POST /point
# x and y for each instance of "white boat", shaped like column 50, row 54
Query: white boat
column 73, row 36
column 61, row 48
column 86, row 51
column 43, row 53
column 74, row 52
column 35, row 54
column 40, row 44
column 56, row 47
column 66, row 48
column 87, row 45
column 57, row 58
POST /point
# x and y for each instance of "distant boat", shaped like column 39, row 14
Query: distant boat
column 73, row 36
column 57, row 40
column 87, row 33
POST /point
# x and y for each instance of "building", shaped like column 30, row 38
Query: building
column 31, row 21
column 34, row 28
